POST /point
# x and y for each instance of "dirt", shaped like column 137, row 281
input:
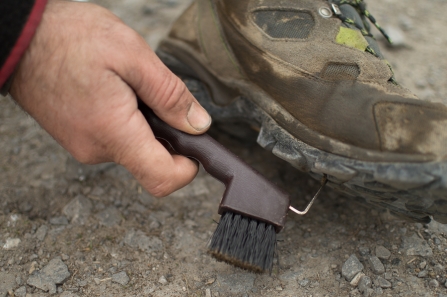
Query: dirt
column 117, row 240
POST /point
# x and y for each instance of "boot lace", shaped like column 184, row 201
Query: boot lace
column 360, row 6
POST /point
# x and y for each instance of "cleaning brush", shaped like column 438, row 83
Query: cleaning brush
column 252, row 209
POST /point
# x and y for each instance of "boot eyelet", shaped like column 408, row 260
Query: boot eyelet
column 325, row 12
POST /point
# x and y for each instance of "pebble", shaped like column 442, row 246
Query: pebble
column 376, row 266
column 388, row 275
column 236, row 283
column 383, row 283
column 162, row 280
column 364, row 283
column 364, row 251
column 7, row 283
column 303, row 282
column 351, row 267
column 433, row 284
column 55, row 272
column 382, row 252
column 416, row 246
column 423, row 274
column 422, row 265
column 62, row 220
column 207, row 293
column 121, row 278
column 397, row 36
column 78, row 210
column 11, row 243
column 355, row 281
column 41, row 232
column 20, row 292
column 109, row 217
column 137, row 239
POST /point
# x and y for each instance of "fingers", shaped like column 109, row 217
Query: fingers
column 159, row 172
column 163, row 91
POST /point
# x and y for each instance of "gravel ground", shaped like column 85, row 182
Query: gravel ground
column 74, row 230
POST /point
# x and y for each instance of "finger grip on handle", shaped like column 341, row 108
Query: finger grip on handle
column 247, row 192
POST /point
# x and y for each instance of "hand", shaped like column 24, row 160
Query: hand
column 79, row 78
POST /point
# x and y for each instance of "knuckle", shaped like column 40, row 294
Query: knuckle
column 172, row 94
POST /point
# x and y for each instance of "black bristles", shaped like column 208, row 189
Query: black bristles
column 244, row 242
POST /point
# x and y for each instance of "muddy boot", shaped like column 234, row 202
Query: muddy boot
column 310, row 76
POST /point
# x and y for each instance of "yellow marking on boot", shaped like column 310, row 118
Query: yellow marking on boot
column 352, row 38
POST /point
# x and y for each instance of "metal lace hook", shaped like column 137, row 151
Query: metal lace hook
column 323, row 183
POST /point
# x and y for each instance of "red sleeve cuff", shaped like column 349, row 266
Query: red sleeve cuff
column 23, row 41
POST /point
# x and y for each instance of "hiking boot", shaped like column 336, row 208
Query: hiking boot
column 311, row 78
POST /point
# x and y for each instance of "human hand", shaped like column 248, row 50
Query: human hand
column 79, row 79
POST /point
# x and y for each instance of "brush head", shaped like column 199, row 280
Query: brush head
column 244, row 242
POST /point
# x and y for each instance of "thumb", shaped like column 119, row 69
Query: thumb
column 164, row 92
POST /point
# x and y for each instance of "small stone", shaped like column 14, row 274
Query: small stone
column 109, row 217
column 11, row 243
column 7, row 283
column 235, row 283
column 364, row 251
column 351, row 267
column 62, row 220
column 364, row 284
column 422, row 265
column 20, row 292
column 378, row 291
column 303, row 282
column 376, row 266
column 433, row 284
column 383, row 283
column 32, row 267
column 97, row 281
column 416, row 246
column 162, row 280
column 210, row 281
column 82, row 283
column 78, row 210
column 423, row 274
column 207, row 293
column 396, row 35
column 334, row 245
column 55, row 272
column 388, row 275
column 369, row 292
column 41, row 232
column 382, row 252
column 65, row 257
column 354, row 282
column 137, row 239
column 121, row 278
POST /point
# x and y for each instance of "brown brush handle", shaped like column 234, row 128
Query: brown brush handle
column 247, row 192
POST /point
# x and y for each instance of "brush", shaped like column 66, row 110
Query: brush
column 253, row 210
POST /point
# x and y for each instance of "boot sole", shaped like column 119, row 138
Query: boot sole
column 414, row 190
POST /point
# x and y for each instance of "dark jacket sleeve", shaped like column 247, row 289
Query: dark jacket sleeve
column 18, row 22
